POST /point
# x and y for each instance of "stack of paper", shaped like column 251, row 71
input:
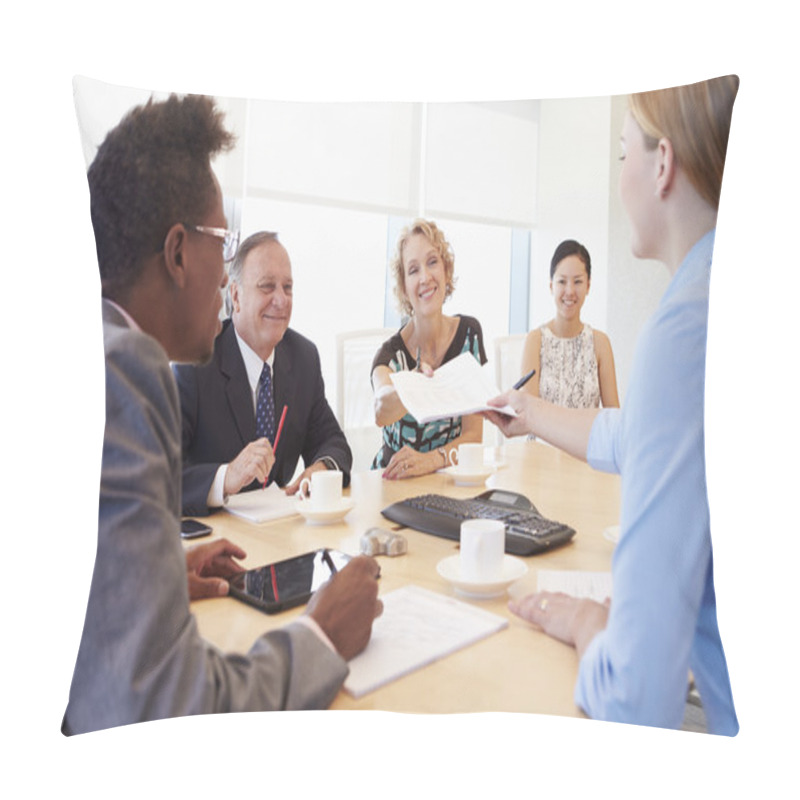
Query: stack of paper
column 416, row 628
column 461, row 386
column 262, row 505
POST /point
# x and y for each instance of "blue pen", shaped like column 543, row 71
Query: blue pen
column 524, row 379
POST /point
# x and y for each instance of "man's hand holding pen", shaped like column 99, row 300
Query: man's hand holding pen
column 346, row 606
column 252, row 464
column 275, row 444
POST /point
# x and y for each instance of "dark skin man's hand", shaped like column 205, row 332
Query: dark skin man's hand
column 209, row 565
column 346, row 606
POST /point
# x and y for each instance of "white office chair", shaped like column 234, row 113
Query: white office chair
column 508, row 360
column 354, row 400
column 507, row 368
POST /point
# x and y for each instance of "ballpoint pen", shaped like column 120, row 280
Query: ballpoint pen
column 418, row 368
column 326, row 557
column 524, row 379
column 277, row 437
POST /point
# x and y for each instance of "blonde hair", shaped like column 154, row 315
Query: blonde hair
column 697, row 120
column 431, row 232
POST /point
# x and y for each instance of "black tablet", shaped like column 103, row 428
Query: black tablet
column 284, row 584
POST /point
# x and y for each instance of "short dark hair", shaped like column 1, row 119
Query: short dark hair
column 153, row 170
column 569, row 247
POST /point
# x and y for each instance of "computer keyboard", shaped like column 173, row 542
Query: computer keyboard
column 527, row 531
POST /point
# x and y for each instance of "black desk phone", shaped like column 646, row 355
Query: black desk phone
column 527, row 531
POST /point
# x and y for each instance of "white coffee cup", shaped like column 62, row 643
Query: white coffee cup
column 468, row 457
column 323, row 491
column 482, row 550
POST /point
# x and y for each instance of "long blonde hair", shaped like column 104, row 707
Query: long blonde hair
column 697, row 120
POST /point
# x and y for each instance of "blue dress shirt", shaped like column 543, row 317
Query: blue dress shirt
column 663, row 618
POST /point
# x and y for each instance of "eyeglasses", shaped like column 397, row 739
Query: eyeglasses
column 230, row 239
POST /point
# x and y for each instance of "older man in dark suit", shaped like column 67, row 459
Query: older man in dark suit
column 161, row 240
column 231, row 408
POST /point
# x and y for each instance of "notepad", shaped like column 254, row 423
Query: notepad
column 417, row 627
column 578, row 583
column 262, row 505
column 461, row 386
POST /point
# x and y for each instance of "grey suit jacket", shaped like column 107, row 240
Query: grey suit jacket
column 218, row 417
column 141, row 656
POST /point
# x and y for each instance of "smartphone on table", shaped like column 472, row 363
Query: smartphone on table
column 194, row 529
column 288, row 583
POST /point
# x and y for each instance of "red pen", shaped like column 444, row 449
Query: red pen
column 277, row 437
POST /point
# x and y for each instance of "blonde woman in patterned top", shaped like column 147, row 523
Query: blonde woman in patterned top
column 422, row 267
column 574, row 363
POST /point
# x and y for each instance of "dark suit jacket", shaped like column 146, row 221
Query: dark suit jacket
column 219, row 419
column 141, row 656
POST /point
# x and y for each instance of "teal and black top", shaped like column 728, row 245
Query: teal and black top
column 394, row 354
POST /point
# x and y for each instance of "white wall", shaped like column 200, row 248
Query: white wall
column 634, row 286
column 480, row 161
column 578, row 198
column 344, row 154
column 573, row 200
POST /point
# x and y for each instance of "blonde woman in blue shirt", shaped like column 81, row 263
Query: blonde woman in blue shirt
column 636, row 653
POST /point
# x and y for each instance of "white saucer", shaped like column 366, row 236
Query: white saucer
column 464, row 478
column 328, row 515
column 450, row 569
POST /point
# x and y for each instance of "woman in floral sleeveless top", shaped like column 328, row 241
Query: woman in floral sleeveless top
column 574, row 363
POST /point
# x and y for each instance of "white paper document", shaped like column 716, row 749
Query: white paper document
column 461, row 386
column 417, row 627
column 262, row 505
column 578, row 583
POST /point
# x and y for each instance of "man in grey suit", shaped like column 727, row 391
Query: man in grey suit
column 161, row 243
column 222, row 451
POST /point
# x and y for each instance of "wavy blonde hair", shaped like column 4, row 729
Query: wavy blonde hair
column 697, row 120
column 431, row 232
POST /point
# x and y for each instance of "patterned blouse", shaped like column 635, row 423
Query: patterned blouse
column 394, row 354
column 568, row 370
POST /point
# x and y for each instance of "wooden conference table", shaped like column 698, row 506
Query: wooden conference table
column 516, row 669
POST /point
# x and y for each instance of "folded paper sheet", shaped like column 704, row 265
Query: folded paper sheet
column 461, row 386
column 417, row 627
column 262, row 505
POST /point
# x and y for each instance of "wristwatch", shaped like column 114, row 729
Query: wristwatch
column 328, row 462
